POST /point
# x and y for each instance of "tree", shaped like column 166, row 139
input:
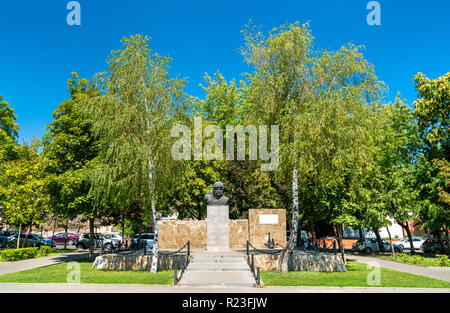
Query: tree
column 8, row 131
column 21, row 190
column 397, row 157
column 322, row 101
column 69, row 146
column 133, row 119
column 432, row 111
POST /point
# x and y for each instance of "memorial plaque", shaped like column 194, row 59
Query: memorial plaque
column 268, row 219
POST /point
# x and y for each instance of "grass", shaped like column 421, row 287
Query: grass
column 59, row 273
column 355, row 276
column 423, row 260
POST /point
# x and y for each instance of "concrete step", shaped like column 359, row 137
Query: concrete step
column 217, row 259
column 217, row 279
column 217, row 270
column 218, row 267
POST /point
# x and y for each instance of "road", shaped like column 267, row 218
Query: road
column 442, row 273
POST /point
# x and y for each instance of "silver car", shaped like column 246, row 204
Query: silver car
column 369, row 245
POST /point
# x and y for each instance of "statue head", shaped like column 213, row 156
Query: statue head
column 218, row 190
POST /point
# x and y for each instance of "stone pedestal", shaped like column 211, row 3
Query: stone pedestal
column 217, row 228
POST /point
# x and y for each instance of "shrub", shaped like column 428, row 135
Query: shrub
column 44, row 251
column 23, row 253
column 443, row 260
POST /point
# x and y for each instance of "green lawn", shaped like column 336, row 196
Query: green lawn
column 58, row 274
column 355, row 276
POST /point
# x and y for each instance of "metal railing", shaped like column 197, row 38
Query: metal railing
column 184, row 264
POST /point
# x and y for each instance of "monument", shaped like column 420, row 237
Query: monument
column 218, row 220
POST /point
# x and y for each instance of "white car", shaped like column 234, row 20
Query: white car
column 417, row 243
column 114, row 236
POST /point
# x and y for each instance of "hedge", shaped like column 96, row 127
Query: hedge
column 23, row 253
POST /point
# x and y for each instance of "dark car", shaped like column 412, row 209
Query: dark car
column 435, row 246
column 109, row 245
column 146, row 238
column 32, row 240
column 60, row 238
column 5, row 235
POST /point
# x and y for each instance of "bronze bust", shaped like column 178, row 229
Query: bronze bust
column 215, row 196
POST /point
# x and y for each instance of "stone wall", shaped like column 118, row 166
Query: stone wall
column 137, row 262
column 238, row 234
column 302, row 261
column 258, row 233
column 175, row 234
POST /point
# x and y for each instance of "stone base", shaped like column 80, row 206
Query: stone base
column 138, row 262
column 217, row 228
column 302, row 261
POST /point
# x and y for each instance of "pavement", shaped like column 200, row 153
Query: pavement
column 28, row 264
column 122, row 288
column 442, row 273
column 217, row 270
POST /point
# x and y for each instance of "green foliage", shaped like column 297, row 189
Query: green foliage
column 325, row 104
column 21, row 189
column 432, row 109
column 133, row 118
column 69, row 146
column 7, row 255
column 8, row 131
column 443, row 260
column 406, row 258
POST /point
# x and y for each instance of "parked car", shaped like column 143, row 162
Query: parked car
column 33, row 240
column 405, row 243
column 59, row 238
column 435, row 246
column 5, row 235
column 146, row 238
column 109, row 245
column 369, row 245
column 114, row 236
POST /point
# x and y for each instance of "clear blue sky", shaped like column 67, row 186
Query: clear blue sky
column 38, row 50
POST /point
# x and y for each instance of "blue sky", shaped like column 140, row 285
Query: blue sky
column 38, row 50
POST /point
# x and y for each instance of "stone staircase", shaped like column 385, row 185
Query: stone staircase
column 217, row 270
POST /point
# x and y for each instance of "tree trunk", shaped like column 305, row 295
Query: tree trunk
column 26, row 237
column 91, row 238
column 65, row 234
column 408, row 232
column 379, row 241
column 54, row 228
column 123, row 231
column 341, row 242
column 390, row 239
column 361, row 235
column 284, row 256
column 154, row 267
column 18, row 236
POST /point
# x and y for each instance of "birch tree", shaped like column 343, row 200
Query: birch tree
column 133, row 117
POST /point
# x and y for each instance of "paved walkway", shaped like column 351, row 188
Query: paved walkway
column 23, row 265
column 442, row 273
column 217, row 270
column 111, row 288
